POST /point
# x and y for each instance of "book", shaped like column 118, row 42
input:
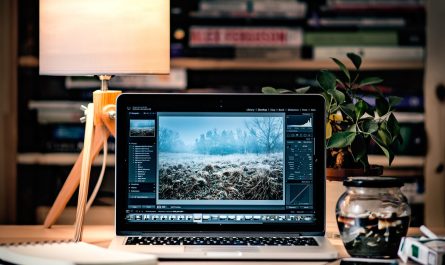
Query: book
column 175, row 80
column 370, row 53
column 224, row 6
column 375, row 4
column 57, row 111
column 70, row 253
column 251, row 9
column 357, row 22
column 208, row 36
column 333, row 38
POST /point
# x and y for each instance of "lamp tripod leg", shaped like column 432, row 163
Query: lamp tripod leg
column 84, row 174
column 100, row 134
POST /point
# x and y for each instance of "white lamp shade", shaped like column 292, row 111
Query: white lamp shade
column 112, row 37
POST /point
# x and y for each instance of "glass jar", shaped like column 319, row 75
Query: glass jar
column 372, row 216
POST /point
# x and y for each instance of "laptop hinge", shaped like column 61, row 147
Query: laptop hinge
column 271, row 233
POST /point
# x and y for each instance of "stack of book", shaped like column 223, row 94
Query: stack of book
column 291, row 29
column 59, row 127
column 260, row 29
column 376, row 29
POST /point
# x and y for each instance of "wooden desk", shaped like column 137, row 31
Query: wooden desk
column 102, row 235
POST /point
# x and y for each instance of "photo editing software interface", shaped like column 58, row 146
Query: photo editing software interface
column 249, row 167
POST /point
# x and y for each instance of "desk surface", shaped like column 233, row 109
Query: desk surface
column 101, row 235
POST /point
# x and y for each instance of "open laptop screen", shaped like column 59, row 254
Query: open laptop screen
column 222, row 164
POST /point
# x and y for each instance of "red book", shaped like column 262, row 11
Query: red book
column 245, row 36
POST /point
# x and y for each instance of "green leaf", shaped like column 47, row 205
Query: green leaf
column 349, row 110
column 341, row 84
column 394, row 101
column 326, row 80
column 393, row 127
column 302, row 90
column 352, row 128
column 384, row 136
column 342, row 68
column 341, row 139
column 370, row 126
column 358, row 148
column 284, row 91
column 269, row 90
column 355, row 59
column 360, row 108
column 370, row 81
column 382, row 106
column 388, row 152
column 338, row 96
column 327, row 98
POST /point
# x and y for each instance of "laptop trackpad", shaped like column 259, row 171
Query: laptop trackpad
column 226, row 249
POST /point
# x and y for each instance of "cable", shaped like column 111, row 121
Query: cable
column 101, row 177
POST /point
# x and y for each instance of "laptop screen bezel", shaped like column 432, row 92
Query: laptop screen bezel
column 218, row 102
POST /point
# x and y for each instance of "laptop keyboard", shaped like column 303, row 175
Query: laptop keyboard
column 223, row 241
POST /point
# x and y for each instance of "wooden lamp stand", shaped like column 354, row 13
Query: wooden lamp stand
column 100, row 124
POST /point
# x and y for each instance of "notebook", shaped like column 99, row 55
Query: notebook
column 221, row 176
column 70, row 253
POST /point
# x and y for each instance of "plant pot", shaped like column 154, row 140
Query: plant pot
column 335, row 188
column 340, row 174
column 372, row 216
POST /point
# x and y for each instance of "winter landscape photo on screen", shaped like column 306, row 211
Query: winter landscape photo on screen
column 221, row 157
column 142, row 128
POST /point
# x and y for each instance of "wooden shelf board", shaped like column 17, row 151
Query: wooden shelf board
column 28, row 61
column 66, row 159
column 303, row 65
column 58, row 159
column 257, row 64
column 406, row 173
column 399, row 161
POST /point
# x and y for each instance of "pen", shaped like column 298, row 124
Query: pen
column 428, row 232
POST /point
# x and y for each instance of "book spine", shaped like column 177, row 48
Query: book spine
column 395, row 5
column 176, row 80
column 257, row 8
column 389, row 38
column 350, row 22
column 224, row 6
column 58, row 116
column 244, row 36
column 373, row 53
column 285, row 7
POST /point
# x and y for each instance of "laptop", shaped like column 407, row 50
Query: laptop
column 221, row 176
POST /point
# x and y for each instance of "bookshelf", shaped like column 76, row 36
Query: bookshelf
column 237, row 67
column 67, row 159
column 260, row 64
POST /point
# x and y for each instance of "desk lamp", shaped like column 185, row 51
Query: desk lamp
column 101, row 38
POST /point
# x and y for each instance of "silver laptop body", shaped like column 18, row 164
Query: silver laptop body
column 221, row 176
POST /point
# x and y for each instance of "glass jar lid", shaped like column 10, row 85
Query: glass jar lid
column 373, row 182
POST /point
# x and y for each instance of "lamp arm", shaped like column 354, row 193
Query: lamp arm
column 84, row 173
column 104, row 121
column 73, row 179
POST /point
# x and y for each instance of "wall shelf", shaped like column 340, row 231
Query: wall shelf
column 57, row 159
column 67, row 159
column 244, row 64
column 297, row 65
column 399, row 161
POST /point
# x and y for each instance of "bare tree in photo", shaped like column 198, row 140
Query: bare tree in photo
column 267, row 131
column 169, row 140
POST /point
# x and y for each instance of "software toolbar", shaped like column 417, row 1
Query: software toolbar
column 221, row 218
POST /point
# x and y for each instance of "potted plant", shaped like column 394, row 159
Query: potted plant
column 352, row 124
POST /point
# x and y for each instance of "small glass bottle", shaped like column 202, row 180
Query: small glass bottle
column 372, row 216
